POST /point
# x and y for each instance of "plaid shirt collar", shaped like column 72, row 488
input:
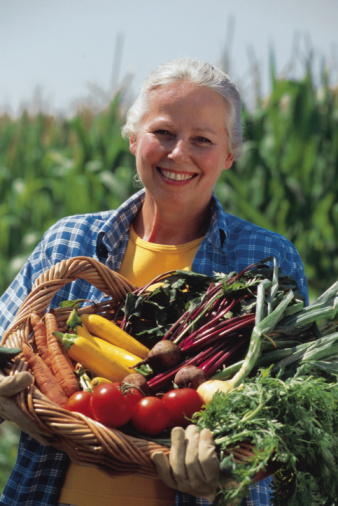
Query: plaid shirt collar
column 112, row 235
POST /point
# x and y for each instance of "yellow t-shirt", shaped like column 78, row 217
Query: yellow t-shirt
column 86, row 486
column 143, row 260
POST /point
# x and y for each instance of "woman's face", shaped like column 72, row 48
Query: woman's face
column 181, row 147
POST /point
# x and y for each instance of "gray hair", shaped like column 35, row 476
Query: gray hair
column 198, row 73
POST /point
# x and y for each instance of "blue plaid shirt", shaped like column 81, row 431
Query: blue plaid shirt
column 230, row 244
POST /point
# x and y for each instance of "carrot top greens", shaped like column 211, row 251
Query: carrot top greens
column 190, row 297
column 292, row 422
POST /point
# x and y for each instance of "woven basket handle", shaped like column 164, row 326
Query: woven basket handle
column 49, row 282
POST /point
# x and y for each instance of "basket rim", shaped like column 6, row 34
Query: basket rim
column 50, row 418
column 109, row 282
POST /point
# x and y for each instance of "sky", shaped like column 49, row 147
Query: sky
column 57, row 54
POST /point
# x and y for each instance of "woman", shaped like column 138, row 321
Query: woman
column 184, row 130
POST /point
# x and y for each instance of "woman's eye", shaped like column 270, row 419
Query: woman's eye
column 203, row 140
column 162, row 132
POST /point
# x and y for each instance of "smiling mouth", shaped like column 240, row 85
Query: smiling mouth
column 175, row 176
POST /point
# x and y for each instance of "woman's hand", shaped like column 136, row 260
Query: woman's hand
column 12, row 385
column 193, row 465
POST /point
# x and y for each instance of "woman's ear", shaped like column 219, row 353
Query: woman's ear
column 229, row 161
column 132, row 144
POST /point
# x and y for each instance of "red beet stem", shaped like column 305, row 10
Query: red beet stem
column 218, row 332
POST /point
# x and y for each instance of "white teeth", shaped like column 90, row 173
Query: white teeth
column 175, row 176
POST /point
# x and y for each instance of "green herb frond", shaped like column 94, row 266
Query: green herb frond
column 292, row 423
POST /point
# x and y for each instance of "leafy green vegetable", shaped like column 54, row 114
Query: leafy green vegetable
column 292, row 423
column 151, row 314
column 71, row 303
column 6, row 354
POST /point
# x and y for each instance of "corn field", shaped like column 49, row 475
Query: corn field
column 286, row 179
column 52, row 167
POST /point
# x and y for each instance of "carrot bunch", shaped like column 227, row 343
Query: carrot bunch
column 50, row 365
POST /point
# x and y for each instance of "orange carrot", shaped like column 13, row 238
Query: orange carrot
column 62, row 365
column 40, row 338
column 44, row 377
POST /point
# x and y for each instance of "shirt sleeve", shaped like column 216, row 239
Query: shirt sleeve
column 69, row 237
column 38, row 475
column 291, row 264
column 21, row 286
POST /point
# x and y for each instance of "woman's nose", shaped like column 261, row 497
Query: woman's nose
column 180, row 151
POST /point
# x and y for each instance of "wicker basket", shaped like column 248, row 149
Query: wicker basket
column 86, row 441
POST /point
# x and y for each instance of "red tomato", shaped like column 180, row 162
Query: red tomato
column 133, row 395
column 182, row 403
column 109, row 406
column 150, row 416
column 117, row 384
column 80, row 402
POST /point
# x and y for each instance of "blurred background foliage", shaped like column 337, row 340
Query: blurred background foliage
column 287, row 178
column 285, row 181
column 9, row 439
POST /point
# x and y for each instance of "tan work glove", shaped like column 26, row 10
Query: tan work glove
column 193, row 465
column 12, row 385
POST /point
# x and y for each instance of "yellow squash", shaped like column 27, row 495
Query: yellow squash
column 92, row 357
column 122, row 356
column 75, row 323
column 82, row 331
column 107, row 330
